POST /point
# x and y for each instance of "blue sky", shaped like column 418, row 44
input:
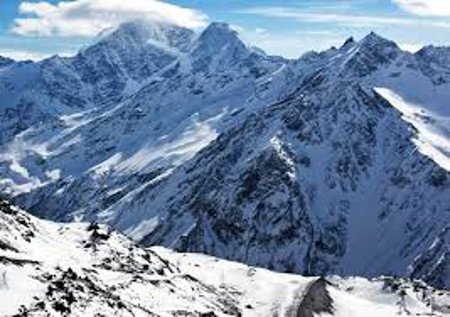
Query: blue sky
column 34, row 29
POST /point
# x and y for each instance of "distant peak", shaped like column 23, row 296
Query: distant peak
column 440, row 55
column 376, row 42
column 218, row 46
column 373, row 37
column 4, row 61
column 142, row 31
column 348, row 41
column 431, row 49
column 219, row 34
column 149, row 27
column 219, row 29
column 219, row 26
column 146, row 24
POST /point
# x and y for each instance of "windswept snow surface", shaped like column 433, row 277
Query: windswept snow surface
column 80, row 269
column 267, row 293
column 276, row 294
column 86, row 270
column 433, row 138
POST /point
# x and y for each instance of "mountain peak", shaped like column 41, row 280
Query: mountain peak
column 373, row 39
column 348, row 41
column 372, row 52
column 219, row 27
column 218, row 34
column 143, row 31
column 434, row 50
column 219, row 42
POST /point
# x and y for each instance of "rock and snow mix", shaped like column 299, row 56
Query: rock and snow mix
column 88, row 270
column 52, row 269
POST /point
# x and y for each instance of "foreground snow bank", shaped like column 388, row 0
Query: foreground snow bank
column 78, row 269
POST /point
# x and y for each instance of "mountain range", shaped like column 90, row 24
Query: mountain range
column 333, row 163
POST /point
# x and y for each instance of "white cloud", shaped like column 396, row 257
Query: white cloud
column 344, row 19
column 315, row 33
column 291, row 46
column 237, row 28
column 89, row 17
column 20, row 55
column 410, row 47
column 425, row 7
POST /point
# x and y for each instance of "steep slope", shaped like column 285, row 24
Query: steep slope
column 432, row 265
column 88, row 270
column 78, row 165
column 116, row 65
column 329, row 180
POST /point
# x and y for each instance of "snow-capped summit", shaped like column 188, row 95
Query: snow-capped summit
column 369, row 54
column 217, row 35
column 128, row 56
column 218, row 48
column 373, row 39
column 143, row 32
column 348, row 41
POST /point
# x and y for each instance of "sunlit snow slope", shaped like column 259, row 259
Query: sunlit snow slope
column 88, row 270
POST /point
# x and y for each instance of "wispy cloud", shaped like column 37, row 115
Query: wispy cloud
column 306, row 16
column 425, row 7
column 410, row 47
column 319, row 33
column 21, row 55
column 89, row 17
column 292, row 46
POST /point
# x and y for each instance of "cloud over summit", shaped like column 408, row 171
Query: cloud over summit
column 89, row 17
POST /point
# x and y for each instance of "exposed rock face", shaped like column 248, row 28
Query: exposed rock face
column 295, row 187
column 316, row 300
column 432, row 265
column 312, row 184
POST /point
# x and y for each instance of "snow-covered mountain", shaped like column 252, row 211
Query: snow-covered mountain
column 337, row 162
column 327, row 181
column 80, row 269
column 165, row 121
